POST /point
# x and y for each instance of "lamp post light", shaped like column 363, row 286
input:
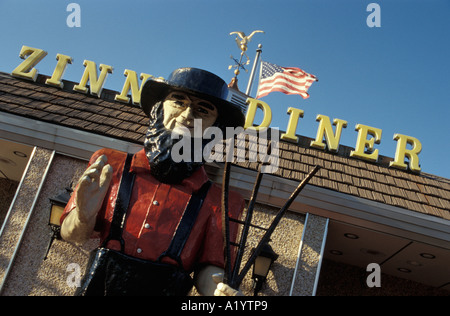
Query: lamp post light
column 58, row 203
column 262, row 265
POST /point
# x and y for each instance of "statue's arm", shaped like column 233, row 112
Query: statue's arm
column 79, row 224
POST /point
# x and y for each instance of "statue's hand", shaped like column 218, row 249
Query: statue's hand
column 224, row 289
column 92, row 188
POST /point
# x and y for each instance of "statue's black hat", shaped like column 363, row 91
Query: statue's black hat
column 198, row 82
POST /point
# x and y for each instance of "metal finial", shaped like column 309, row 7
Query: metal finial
column 242, row 41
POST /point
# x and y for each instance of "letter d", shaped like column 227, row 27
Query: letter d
column 254, row 104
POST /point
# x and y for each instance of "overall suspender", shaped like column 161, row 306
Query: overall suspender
column 185, row 225
column 183, row 229
column 122, row 203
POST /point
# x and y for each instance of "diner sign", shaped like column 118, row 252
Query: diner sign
column 406, row 154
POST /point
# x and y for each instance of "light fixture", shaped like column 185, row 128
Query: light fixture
column 58, row 203
column 427, row 256
column 20, row 154
column 336, row 252
column 262, row 265
column 404, row 270
column 351, row 236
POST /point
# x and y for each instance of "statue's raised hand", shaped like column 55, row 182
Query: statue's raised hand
column 92, row 188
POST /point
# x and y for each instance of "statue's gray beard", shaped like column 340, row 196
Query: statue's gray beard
column 158, row 148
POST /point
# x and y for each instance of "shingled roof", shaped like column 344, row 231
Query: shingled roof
column 424, row 193
column 72, row 109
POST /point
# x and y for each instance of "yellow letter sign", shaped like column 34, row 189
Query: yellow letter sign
column 55, row 80
column 90, row 74
column 132, row 83
column 362, row 143
column 253, row 105
column 326, row 129
column 32, row 57
column 401, row 152
column 292, row 125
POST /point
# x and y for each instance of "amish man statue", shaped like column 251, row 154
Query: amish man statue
column 158, row 220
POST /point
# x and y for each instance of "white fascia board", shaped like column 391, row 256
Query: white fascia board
column 340, row 206
column 377, row 212
column 62, row 139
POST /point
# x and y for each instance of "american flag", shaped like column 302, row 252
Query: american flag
column 289, row 80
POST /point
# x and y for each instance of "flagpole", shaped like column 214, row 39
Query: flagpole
column 252, row 74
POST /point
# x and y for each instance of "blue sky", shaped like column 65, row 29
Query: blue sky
column 394, row 77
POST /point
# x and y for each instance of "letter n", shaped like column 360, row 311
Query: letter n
column 90, row 74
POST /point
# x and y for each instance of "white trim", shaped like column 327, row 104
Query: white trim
column 347, row 208
column 322, row 249
column 62, row 139
column 376, row 212
column 299, row 254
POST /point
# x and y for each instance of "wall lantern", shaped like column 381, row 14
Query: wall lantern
column 262, row 265
column 58, row 203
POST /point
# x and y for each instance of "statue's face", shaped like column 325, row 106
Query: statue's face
column 180, row 110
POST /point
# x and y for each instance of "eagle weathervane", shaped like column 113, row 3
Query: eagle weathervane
column 242, row 41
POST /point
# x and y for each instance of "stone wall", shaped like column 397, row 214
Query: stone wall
column 30, row 274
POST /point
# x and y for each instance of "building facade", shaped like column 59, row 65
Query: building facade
column 358, row 228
